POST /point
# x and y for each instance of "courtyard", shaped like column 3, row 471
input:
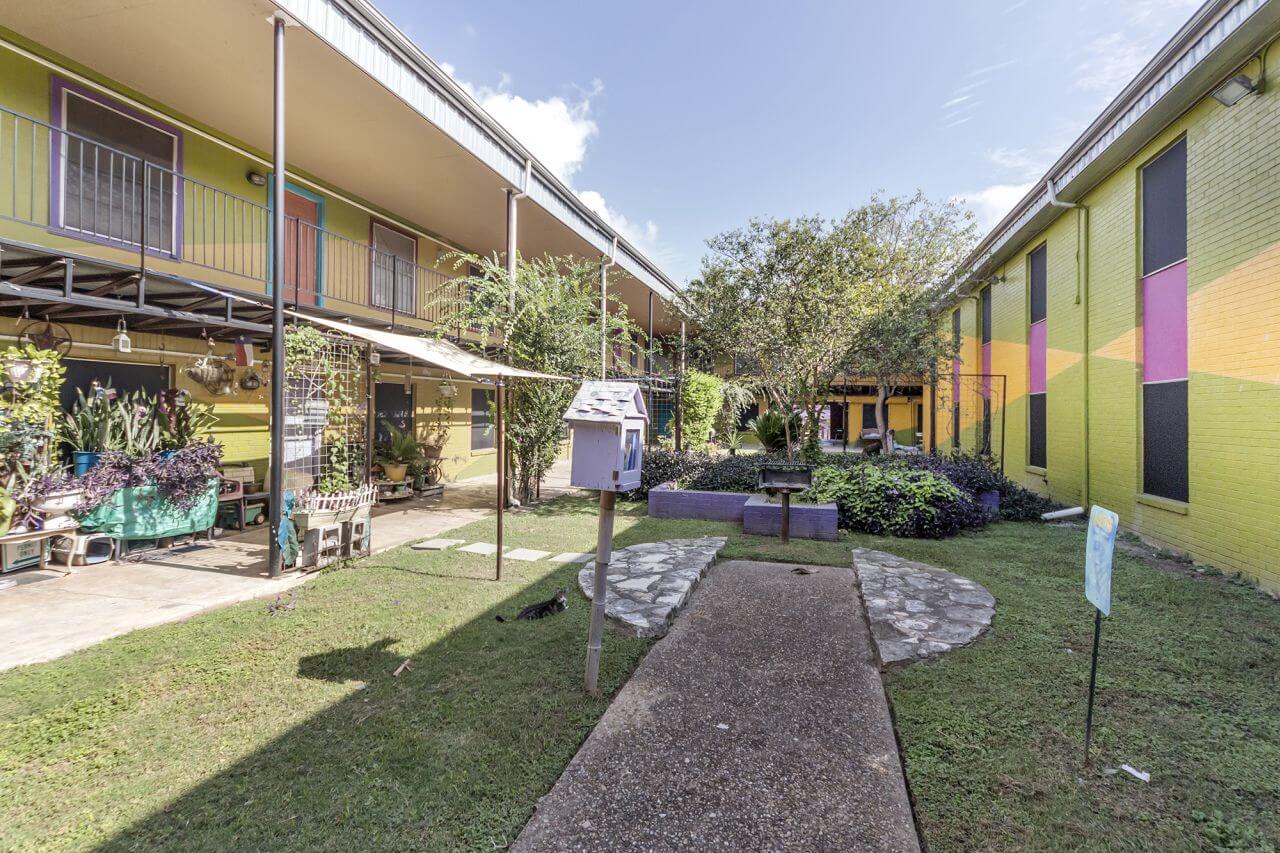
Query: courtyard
column 281, row 723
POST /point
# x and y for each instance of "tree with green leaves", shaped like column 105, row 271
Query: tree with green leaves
column 547, row 320
column 784, row 299
column 915, row 244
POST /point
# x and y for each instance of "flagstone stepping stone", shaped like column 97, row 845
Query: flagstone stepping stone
column 528, row 555
column 918, row 611
column 488, row 549
column 436, row 544
column 573, row 557
column 648, row 583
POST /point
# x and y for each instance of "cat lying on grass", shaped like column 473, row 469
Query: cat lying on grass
column 555, row 604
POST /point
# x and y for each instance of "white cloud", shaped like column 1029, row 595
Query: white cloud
column 1021, row 162
column 558, row 131
column 555, row 129
column 956, row 101
column 1112, row 59
column 989, row 205
column 644, row 236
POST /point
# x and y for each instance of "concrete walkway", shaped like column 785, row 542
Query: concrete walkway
column 758, row 723
column 46, row 614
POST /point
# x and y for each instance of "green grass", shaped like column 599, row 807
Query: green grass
column 1188, row 690
column 242, row 730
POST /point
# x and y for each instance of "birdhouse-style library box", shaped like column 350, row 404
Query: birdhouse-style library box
column 609, row 422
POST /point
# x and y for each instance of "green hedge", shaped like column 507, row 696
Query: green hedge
column 896, row 500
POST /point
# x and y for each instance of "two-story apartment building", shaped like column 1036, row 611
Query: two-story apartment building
column 124, row 126
column 1130, row 304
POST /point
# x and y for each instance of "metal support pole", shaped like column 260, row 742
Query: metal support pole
column 513, row 211
column 604, row 319
column 1093, row 681
column 502, row 471
column 370, row 414
column 276, row 489
column 142, row 242
column 599, row 589
column 679, row 406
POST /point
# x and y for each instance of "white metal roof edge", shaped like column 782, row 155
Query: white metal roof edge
column 1214, row 22
column 366, row 37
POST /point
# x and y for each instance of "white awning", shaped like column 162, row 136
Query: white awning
column 438, row 353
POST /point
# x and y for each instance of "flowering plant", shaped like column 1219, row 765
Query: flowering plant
column 180, row 478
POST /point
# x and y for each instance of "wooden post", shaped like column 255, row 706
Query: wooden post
column 502, row 472
column 599, row 589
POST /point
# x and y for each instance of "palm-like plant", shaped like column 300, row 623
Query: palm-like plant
column 401, row 448
column 771, row 428
column 94, row 424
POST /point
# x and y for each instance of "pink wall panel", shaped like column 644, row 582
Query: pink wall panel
column 986, row 370
column 1164, row 324
column 1037, row 357
column 955, row 380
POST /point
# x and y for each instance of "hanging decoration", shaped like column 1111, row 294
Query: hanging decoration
column 46, row 335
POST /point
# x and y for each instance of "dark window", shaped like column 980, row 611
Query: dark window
column 868, row 415
column 1164, row 447
column 395, row 271
column 1039, row 277
column 985, row 299
column 1036, row 454
column 391, row 402
column 984, row 446
column 1164, row 209
column 106, row 165
column 955, row 426
column 481, row 419
column 1164, row 391
column 955, row 327
column 124, row 378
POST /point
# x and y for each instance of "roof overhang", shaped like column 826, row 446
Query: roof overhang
column 368, row 116
column 1217, row 40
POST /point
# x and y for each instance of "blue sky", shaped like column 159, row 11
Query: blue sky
column 681, row 118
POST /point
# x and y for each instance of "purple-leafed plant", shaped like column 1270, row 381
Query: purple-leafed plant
column 181, row 479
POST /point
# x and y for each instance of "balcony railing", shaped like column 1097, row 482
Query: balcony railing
column 77, row 187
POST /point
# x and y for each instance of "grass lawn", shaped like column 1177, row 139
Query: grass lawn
column 1188, row 690
column 242, row 730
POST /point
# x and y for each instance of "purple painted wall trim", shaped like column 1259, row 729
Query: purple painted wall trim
column 808, row 521
column 1164, row 324
column 58, row 86
column 666, row 501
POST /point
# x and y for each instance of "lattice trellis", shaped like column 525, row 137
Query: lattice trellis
column 971, row 406
column 325, row 417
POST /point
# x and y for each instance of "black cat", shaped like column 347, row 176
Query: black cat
column 555, row 604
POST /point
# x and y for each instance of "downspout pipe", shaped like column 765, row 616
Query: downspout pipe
column 1082, row 299
column 604, row 308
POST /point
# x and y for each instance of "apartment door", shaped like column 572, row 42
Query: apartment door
column 301, row 249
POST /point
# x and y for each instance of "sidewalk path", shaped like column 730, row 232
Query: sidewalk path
column 758, row 723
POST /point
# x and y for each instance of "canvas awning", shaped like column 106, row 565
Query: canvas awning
column 438, row 353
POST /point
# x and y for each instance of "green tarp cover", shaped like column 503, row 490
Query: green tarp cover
column 137, row 513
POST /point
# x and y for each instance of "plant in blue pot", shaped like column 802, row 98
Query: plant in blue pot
column 93, row 427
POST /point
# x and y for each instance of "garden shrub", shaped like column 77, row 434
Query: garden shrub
column 700, row 401
column 662, row 465
column 896, row 500
column 770, row 427
column 729, row 474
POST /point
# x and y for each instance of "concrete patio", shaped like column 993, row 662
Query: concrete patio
column 46, row 614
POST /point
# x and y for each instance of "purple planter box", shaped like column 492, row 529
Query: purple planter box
column 666, row 501
column 760, row 517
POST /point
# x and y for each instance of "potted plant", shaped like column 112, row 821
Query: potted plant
column 93, row 427
column 7, row 507
column 398, row 452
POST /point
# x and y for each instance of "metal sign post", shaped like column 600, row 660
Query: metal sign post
column 1099, row 550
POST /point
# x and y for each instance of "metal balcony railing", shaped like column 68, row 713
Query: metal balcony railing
column 80, row 188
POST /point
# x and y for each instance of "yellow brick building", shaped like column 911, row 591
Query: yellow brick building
column 1158, row 286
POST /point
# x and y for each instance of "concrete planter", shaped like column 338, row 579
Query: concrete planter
column 762, row 517
column 990, row 503
column 666, row 501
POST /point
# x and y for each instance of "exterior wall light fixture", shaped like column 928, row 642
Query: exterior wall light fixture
column 1231, row 91
column 256, row 178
